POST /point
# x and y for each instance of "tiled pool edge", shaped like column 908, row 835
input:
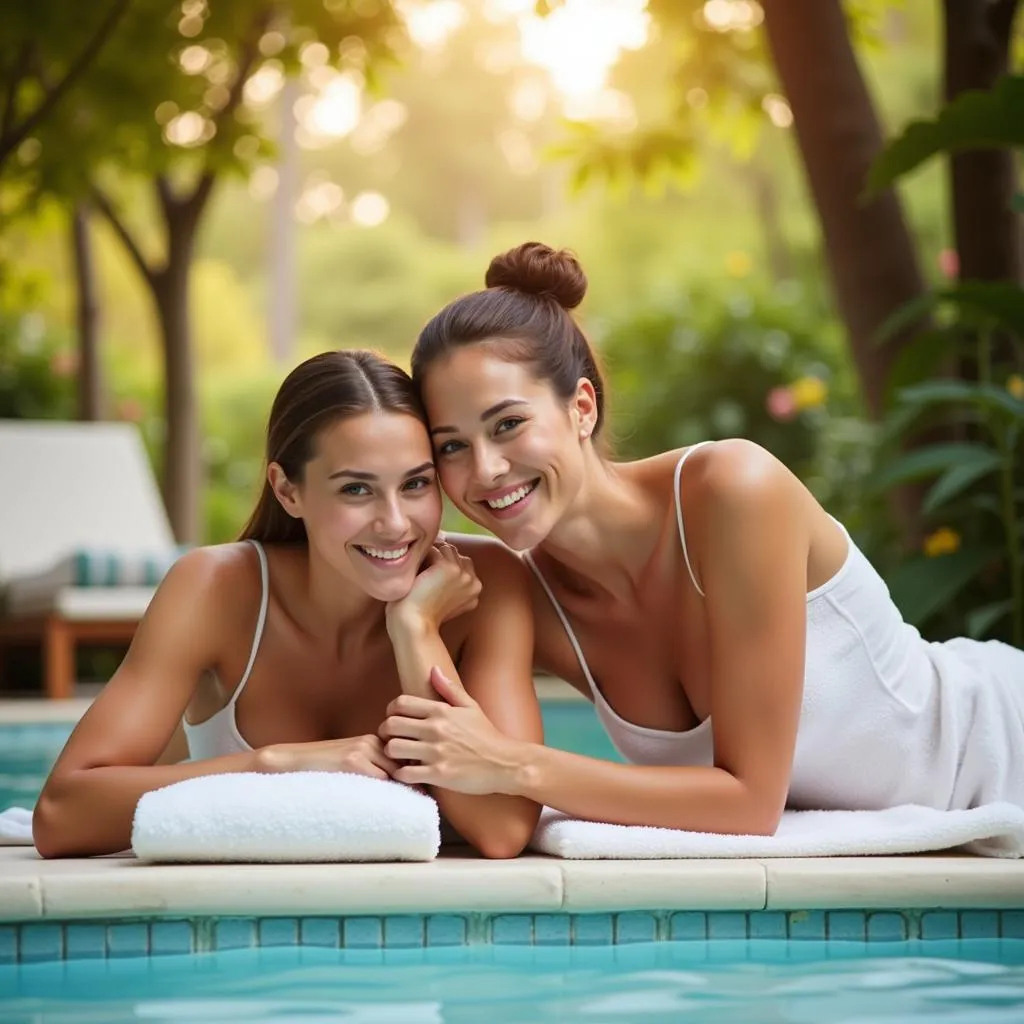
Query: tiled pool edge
column 33, row 942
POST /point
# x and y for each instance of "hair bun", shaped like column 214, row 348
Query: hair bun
column 537, row 269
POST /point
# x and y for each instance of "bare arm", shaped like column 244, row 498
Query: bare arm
column 495, row 670
column 89, row 799
column 752, row 554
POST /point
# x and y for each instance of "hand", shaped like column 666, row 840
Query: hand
column 446, row 588
column 452, row 742
column 359, row 755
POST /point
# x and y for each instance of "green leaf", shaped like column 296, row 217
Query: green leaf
column 956, row 479
column 984, row 396
column 1017, row 203
column 981, row 620
column 937, row 458
column 998, row 300
column 922, row 586
column 919, row 359
column 974, row 120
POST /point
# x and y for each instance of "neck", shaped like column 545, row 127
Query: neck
column 337, row 611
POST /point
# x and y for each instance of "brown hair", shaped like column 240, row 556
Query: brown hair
column 526, row 304
column 318, row 392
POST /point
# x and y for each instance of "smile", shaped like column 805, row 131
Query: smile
column 384, row 555
column 512, row 498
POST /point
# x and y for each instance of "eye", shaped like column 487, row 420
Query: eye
column 449, row 448
column 355, row 490
column 418, row 483
column 509, row 423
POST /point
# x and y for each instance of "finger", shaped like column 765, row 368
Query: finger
column 454, row 693
column 405, row 728
column 408, row 706
column 409, row 750
column 369, row 768
column 415, row 775
column 380, row 759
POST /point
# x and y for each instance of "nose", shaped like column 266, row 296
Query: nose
column 489, row 465
column 392, row 522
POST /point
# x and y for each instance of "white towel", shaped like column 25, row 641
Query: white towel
column 16, row 827
column 289, row 817
column 993, row 830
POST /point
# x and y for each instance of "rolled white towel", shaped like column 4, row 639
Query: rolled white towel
column 992, row 830
column 16, row 827
column 288, row 817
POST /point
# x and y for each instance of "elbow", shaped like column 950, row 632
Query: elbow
column 46, row 830
column 506, row 842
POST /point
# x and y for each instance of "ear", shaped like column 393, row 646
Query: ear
column 284, row 490
column 583, row 408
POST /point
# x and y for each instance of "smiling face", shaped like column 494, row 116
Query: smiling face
column 508, row 449
column 369, row 500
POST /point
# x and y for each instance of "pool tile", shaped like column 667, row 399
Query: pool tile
column 169, row 938
column 235, row 933
column 279, row 931
column 512, row 929
column 724, row 924
column 8, row 943
column 41, row 942
column 403, row 931
column 551, row 930
column 636, row 927
column 979, row 924
column 127, row 940
column 807, row 924
column 320, row 931
column 446, row 930
column 886, row 927
column 847, row 925
column 85, row 941
column 689, row 924
column 362, row 933
column 767, row 924
column 940, row 924
column 593, row 929
column 1011, row 924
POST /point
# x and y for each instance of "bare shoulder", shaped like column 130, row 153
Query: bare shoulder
column 493, row 561
column 737, row 478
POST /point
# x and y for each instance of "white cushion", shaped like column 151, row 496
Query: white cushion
column 290, row 817
column 36, row 596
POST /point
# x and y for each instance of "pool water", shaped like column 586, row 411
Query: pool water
column 965, row 982
column 28, row 751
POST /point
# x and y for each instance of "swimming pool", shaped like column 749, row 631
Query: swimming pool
column 28, row 751
column 979, row 982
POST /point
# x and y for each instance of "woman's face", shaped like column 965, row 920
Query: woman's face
column 508, row 449
column 370, row 501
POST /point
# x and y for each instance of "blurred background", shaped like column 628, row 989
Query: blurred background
column 800, row 220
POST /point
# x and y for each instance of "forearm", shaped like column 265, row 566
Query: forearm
column 498, row 825
column 89, row 812
column 698, row 799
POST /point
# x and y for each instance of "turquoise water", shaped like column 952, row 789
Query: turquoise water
column 28, row 751
column 967, row 982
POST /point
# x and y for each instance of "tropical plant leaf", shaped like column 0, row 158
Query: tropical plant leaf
column 957, row 479
column 937, row 458
column 922, row 586
column 981, row 620
column 940, row 392
column 976, row 119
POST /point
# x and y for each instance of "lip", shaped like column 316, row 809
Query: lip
column 513, row 510
column 392, row 564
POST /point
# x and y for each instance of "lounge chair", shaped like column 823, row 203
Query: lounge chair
column 84, row 539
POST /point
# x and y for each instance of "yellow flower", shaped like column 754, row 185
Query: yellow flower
column 809, row 392
column 1015, row 385
column 738, row 264
column 944, row 541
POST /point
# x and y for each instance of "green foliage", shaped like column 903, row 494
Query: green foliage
column 974, row 120
column 36, row 370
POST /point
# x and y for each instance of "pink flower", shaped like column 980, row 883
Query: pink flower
column 64, row 363
column 781, row 404
column 130, row 409
column 949, row 264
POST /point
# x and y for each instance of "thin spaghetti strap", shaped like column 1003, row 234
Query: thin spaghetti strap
column 565, row 623
column 679, row 509
column 260, row 622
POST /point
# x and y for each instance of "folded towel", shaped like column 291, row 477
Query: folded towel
column 289, row 817
column 16, row 827
column 993, row 830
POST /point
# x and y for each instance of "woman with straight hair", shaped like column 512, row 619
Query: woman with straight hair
column 281, row 652
column 741, row 652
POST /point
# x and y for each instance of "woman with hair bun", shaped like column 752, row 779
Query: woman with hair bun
column 741, row 652
column 282, row 652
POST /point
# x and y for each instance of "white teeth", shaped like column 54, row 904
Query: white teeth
column 387, row 555
column 511, row 499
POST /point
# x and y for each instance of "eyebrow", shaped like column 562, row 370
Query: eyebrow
column 356, row 474
column 484, row 416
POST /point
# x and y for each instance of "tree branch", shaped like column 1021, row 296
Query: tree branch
column 1001, row 17
column 19, row 71
column 53, row 96
column 106, row 207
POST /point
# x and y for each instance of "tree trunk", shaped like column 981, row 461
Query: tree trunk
column 90, row 373
column 983, row 182
column 182, row 467
column 869, row 251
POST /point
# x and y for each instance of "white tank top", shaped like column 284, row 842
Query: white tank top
column 887, row 718
column 219, row 734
